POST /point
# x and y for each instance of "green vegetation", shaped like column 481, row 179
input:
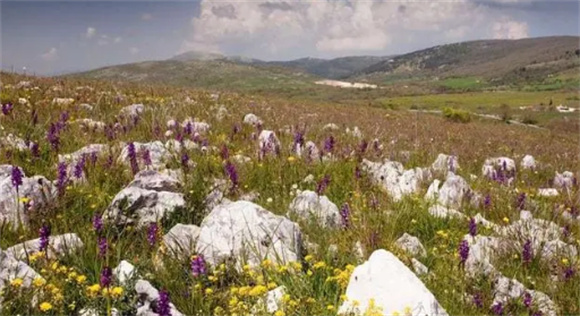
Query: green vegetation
column 456, row 115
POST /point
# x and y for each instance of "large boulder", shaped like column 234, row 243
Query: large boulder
column 445, row 163
column 247, row 233
column 34, row 194
column 392, row 286
column 452, row 193
column 157, row 152
column 180, row 240
column 411, row 244
column 142, row 206
column 149, row 298
column 499, row 168
column 13, row 142
column 166, row 180
column 11, row 268
column 252, row 119
column 58, row 245
column 308, row 204
column 397, row 181
column 528, row 162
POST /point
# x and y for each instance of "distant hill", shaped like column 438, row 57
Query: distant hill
column 493, row 60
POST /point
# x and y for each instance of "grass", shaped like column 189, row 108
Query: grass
column 316, row 285
column 463, row 83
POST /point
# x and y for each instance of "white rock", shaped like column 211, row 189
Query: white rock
column 142, row 206
column 149, row 295
column 310, row 151
column 393, row 178
column 91, row 125
column 411, row 244
column 252, row 119
column 359, row 251
column 443, row 212
column 391, row 285
column 132, row 110
column 246, row 232
column 166, row 180
column 124, row 272
column 481, row 250
column 548, row 192
column 157, row 151
column 564, row 180
column 180, row 240
column 331, row 127
column 492, row 164
column 86, row 106
column 171, row 124
column 274, row 299
column 420, row 269
column 269, row 143
column 14, row 142
column 510, row 289
column 11, row 268
column 309, row 179
column 63, row 101
column 241, row 159
column 445, row 163
column 355, row 132
column 308, row 205
column 58, row 245
column 176, row 147
column 528, row 162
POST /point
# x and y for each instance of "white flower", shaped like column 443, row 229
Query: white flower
column 269, row 200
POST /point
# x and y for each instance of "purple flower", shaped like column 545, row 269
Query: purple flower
column 487, row 201
column 298, row 140
column 34, row 117
column 185, row 161
column 362, row 147
column 133, row 158
column 16, row 177
column 472, row 227
column 225, row 153
column 463, row 251
column 103, row 246
column 357, row 173
column 53, row 136
column 521, row 201
column 478, row 300
column 569, row 273
column 527, row 254
column 146, row 157
column 322, row 184
column 152, row 233
column 106, row 277
column 198, row 266
column 527, row 299
column 163, row 307
column 345, row 215
column 34, row 150
column 110, row 132
column 497, row 308
column 188, row 129
column 44, row 233
column 236, row 129
column 7, row 108
column 329, row 144
column 232, row 173
column 566, row 231
column 79, row 167
column 98, row 223
column 61, row 180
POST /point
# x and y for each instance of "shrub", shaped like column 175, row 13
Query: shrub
column 456, row 115
column 505, row 111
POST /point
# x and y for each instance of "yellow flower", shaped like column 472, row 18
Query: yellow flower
column 407, row 311
column 271, row 285
column 291, row 159
column 93, row 290
column 311, row 300
column 106, row 292
column 24, row 200
column 319, row 265
column 279, row 313
column 117, row 292
column 396, row 313
column 208, row 291
column 72, row 275
column 330, row 307
column 309, row 273
column 38, row 282
column 45, row 306
column 308, row 258
column 506, row 220
column 565, row 261
column 266, row 263
column 258, row 290
column 16, row 282
column 81, row 279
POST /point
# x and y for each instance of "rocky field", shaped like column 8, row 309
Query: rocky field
column 123, row 199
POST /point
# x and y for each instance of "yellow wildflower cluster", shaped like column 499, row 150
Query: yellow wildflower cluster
column 342, row 276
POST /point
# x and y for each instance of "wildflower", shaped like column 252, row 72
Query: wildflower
column 117, row 292
column 330, row 307
column 38, row 282
column 506, row 220
column 208, row 291
column 291, row 159
column 527, row 299
column 279, row 313
column 477, row 300
column 45, row 306
column 198, row 266
column 224, row 152
column 357, row 173
column 569, row 273
column 16, row 282
column 329, row 144
column 232, row 173
column 497, row 308
column 146, row 157
column 34, row 150
column 527, row 252
column 322, row 184
column 345, row 215
column 185, row 161
column 79, row 167
column 81, row 279
column 98, row 223
column 16, row 177
column 61, row 180
column 472, row 227
column 487, row 201
column 44, row 233
column 463, row 251
column 133, row 158
column 319, row 265
column 152, row 234
column 521, row 201
column 163, row 307
column 106, row 277
column 93, row 290
column 7, row 108
column 103, row 246
column 53, row 136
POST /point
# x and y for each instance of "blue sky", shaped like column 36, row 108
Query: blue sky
column 50, row 37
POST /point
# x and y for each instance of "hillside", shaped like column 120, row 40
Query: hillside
column 500, row 61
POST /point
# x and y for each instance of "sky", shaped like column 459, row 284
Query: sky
column 51, row 37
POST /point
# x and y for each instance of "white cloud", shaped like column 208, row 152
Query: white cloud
column 146, row 16
column 50, row 55
column 118, row 39
column 508, row 29
column 91, row 32
column 134, row 50
column 265, row 27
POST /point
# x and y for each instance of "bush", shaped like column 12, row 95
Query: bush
column 456, row 115
column 528, row 119
column 506, row 113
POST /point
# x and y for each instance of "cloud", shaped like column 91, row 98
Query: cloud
column 510, row 30
column 264, row 28
column 118, row 40
column 146, row 16
column 50, row 55
column 91, row 32
column 134, row 50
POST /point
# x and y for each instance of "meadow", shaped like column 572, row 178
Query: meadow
column 228, row 149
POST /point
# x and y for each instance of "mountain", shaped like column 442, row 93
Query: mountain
column 494, row 60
